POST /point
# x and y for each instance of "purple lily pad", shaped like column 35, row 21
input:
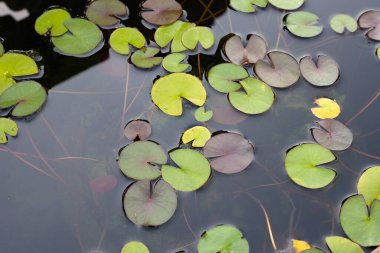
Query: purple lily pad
column 371, row 20
column 324, row 73
column 105, row 12
column 161, row 12
column 103, row 184
column 138, row 130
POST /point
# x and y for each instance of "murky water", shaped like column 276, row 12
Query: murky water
column 79, row 132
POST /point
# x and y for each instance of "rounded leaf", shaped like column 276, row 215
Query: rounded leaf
column 341, row 22
column 137, row 129
column 9, row 127
column 324, row 73
column 17, row 65
column 223, row 77
column 327, row 108
column 121, row 38
column 287, row 4
column 339, row 244
column 161, row 12
column 199, row 135
column 201, row 34
column 173, row 63
column 303, row 24
column 247, row 6
column 52, row 21
column 135, row 247
column 371, row 20
column 172, row 33
column 105, row 12
column 203, row 116
column 369, row 184
column 145, row 58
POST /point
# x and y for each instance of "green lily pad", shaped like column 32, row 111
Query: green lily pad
column 161, row 12
column 378, row 52
column 121, row 38
column 224, row 77
column 257, row 98
column 303, row 24
column 287, row 4
column 172, row 33
column 140, row 159
column 105, row 12
column 339, row 244
column 146, row 58
column 223, row 238
column 17, row 65
column 193, row 172
column 168, row 91
column 199, row 135
column 137, row 130
column 312, row 251
column 369, row 184
column 371, row 20
column 359, row 224
column 5, row 83
column 341, row 22
column 9, row 127
column 302, row 165
column 52, row 21
column 247, row 6
column 198, row 34
column 26, row 97
column 173, row 63
column 203, row 116
column 135, row 247
column 2, row 50
column 149, row 203
column 83, row 37
column 324, row 73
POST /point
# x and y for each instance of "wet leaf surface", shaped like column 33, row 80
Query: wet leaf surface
column 198, row 34
column 172, row 33
column 146, row 58
column 324, row 73
column 17, row 65
column 339, row 244
column 198, row 135
column 287, row 4
column 303, row 24
column 174, row 63
column 106, row 12
column 224, row 77
column 7, row 127
column 202, row 115
column 161, row 12
column 327, row 108
column 122, row 38
column 138, row 129
column 371, row 20
column 52, row 22
column 369, row 184
column 341, row 22
column 248, row 5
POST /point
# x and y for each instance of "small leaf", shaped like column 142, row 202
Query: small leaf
column 313, row 250
column 103, row 184
column 223, row 77
column 17, row 65
column 145, row 58
column 378, row 52
column 105, row 12
column 138, row 129
column 203, row 116
column 339, row 244
column 198, row 134
column 9, row 127
column 371, row 20
column 300, row 246
column 121, row 38
column 369, row 184
column 324, row 73
column 341, row 22
column 328, row 109
column 247, row 6
column 161, row 12
column 173, row 63
column 287, row 4
column 303, row 24
column 52, row 21
column 198, row 34
column 172, row 33
column 134, row 247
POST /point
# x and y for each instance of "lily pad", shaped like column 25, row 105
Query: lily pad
column 17, row 65
column 312, row 251
column 140, row 159
column 5, row 83
column 255, row 50
column 146, row 58
column 172, row 33
column 149, row 204
column 247, row 6
column 282, row 72
column 52, row 21
column 199, row 135
column 223, row 238
column 303, row 24
column 168, row 91
column 369, row 185
column 135, row 247
column 105, row 12
column 378, row 52
column 202, row 115
column 327, row 108
column 161, row 12
column 9, row 127
column 339, row 244
column 257, row 98
column 2, row 50
column 103, row 184
column 138, row 129
column 193, row 172
column 83, row 37
column 302, row 163
column 371, row 20
column 121, row 38
column 324, row 73
column 341, row 22
column 198, row 34
column 298, row 246
column 173, row 63
column 332, row 135
column 287, row 4
column 229, row 153
column 359, row 224
column 224, row 77
column 25, row 97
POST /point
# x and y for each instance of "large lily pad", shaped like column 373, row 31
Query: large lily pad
column 198, row 34
column 135, row 247
column 172, row 33
column 121, row 38
column 199, row 135
column 339, row 244
column 140, row 159
column 282, row 72
column 146, row 58
column 161, row 12
column 168, row 91
column 9, row 127
column 247, row 6
column 359, row 224
column 303, row 24
column 229, row 152
column 105, row 12
column 5, row 83
column 193, row 172
column 371, row 20
column 224, row 77
column 302, row 163
column 324, row 73
column 341, row 22
column 149, row 203
column 287, row 4
column 369, row 185
column 17, row 65
column 137, row 129
column 52, row 21
column 223, row 238
column 173, row 63
column 327, row 108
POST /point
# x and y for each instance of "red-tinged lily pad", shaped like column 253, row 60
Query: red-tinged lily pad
column 105, row 12
column 103, row 184
column 371, row 20
column 149, row 203
column 229, row 152
column 161, row 12
column 332, row 135
column 324, row 73
column 138, row 130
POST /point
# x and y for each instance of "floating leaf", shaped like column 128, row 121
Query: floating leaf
column 343, row 21
column 257, row 98
column 324, row 73
column 229, row 152
column 149, row 204
column 312, row 251
column 172, row 33
column 2, row 50
column 168, row 91
column 134, row 247
column 223, row 77
column 203, row 116
column 193, row 172
column 223, row 238
column 369, row 185
column 26, row 98
column 283, row 71
column 173, row 63
column 332, row 135
column 303, row 24
column 287, row 4
column 161, row 12
column 7, row 126
column 83, row 37
column 198, row 34
column 121, row 38
column 137, row 129
column 371, row 20
column 139, row 160
column 52, row 21
column 328, row 109
column 300, row 246
column 17, row 65
column 105, row 12
column 145, row 58
column 378, row 52
column 339, row 244
column 5, row 83
column 103, row 184
column 359, row 224
column 198, row 134
column 302, row 165
column 247, row 5
column 255, row 49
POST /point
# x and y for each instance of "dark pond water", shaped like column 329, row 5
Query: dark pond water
column 79, row 132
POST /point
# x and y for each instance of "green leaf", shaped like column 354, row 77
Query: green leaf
column 312, row 251
column 134, row 247
column 343, row 21
column 369, row 184
column 193, row 172
column 258, row 97
column 247, row 6
column 223, row 239
column 172, row 63
column 302, row 165
column 17, row 65
column 52, row 21
column 359, row 224
column 27, row 97
column 339, row 244
column 303, row 24
column 7, row 126
column 287, row 4
column 223, row 77
column 378, row 52
column 145, row 58
column 203, row 116
column 83, row 37
column 105, row 12
column 199, row 135
column 168, row 91
column 5, row 83
column 324, row 73
column 198, row 34
column 121, row 38
column 2, row 50
column 172, row 33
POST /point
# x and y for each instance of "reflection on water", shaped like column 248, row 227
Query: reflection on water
column 48, row 205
